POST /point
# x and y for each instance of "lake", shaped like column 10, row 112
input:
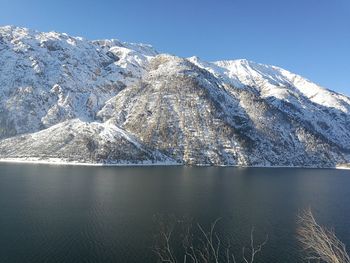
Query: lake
column 105, row 214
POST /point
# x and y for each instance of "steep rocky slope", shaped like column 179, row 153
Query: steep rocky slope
column 64, row 98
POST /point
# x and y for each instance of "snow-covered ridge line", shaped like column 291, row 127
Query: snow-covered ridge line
column 273, row 81
column 69, row 99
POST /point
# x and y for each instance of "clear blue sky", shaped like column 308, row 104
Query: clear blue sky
column 308, row 37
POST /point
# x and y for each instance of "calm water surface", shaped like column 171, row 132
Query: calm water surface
column 105, row 214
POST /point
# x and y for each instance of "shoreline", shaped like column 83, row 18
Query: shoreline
column 58, row 162
column 342, row 168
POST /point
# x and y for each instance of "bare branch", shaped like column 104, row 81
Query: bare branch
column 253, row 249
column 320, row 243
column 206, row 248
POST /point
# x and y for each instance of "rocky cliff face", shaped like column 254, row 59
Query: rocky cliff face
column 64, row 98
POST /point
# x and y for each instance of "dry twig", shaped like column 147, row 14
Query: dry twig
column 320, row 243
column 202, row 247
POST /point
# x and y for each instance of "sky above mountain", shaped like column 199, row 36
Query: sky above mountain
column 311, row 38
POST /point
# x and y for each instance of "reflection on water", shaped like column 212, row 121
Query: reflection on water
column 104, row 214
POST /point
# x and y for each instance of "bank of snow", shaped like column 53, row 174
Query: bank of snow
column 56, row 161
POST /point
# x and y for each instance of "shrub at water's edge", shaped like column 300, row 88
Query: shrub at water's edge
column 200, row 245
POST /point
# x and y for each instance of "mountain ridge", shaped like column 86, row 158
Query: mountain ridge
column 111, row 102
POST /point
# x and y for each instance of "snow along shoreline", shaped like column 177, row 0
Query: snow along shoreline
column 57, row 162
column 54, row 161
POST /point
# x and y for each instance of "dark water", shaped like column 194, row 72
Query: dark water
column 94, row 214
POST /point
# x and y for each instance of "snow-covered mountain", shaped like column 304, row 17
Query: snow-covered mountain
column 65, row 98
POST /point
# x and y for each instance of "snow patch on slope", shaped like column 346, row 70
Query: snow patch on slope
column 107, row 101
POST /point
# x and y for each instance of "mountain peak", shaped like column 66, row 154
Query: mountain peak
column 109, row 101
